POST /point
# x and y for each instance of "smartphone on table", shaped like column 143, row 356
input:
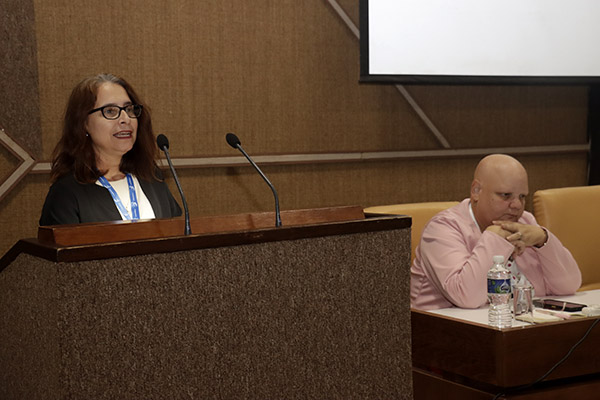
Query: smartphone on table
column 558, row 305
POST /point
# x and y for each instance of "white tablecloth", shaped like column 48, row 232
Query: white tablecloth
column 480, row 315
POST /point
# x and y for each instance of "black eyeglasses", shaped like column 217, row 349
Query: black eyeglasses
column 114, row 112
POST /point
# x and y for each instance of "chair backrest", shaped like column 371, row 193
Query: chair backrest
column 420, row 213
column 573, row 215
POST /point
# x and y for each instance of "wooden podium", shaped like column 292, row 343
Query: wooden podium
column 318, row 308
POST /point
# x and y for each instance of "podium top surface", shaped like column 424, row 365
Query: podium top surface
column 68, row 243
column 116, row 231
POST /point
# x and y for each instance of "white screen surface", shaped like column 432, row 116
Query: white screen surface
column 537, row 38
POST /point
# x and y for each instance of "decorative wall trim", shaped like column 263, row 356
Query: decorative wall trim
column 26, row 163
column 317, row 158
column 426, row 120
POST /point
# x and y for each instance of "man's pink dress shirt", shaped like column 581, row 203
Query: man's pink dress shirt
column 453, row 258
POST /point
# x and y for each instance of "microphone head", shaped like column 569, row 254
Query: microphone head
column 232, row 140
column 162, row 142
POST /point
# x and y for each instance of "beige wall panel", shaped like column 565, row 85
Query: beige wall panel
column 20, row 210
column 506, row 116
column 235, row 190
column 282, row 74
column 19, row 97
column 7, row 163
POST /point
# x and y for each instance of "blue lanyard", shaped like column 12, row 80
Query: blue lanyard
column 132, row 197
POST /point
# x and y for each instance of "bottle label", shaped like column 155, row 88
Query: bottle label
column 499, row 285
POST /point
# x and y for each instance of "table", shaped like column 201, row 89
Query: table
column 457, row 355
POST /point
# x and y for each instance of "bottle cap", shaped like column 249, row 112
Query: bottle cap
column 498, row 259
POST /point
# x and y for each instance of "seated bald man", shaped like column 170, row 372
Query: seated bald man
column 457, row 245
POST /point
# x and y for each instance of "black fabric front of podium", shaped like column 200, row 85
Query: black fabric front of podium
column 309, row 318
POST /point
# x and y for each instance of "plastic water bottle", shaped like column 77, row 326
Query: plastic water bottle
column 498, row 283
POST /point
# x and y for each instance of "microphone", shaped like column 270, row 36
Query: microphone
column 234, row 142
column 163, row 144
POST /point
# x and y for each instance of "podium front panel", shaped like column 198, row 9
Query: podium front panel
column 317, row 317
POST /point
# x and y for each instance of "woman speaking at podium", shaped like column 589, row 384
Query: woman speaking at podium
column 104, row 166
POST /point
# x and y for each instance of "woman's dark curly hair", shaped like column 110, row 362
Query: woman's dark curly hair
column 75, row 153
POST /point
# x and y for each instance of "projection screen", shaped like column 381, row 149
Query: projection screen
column 480, row 41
